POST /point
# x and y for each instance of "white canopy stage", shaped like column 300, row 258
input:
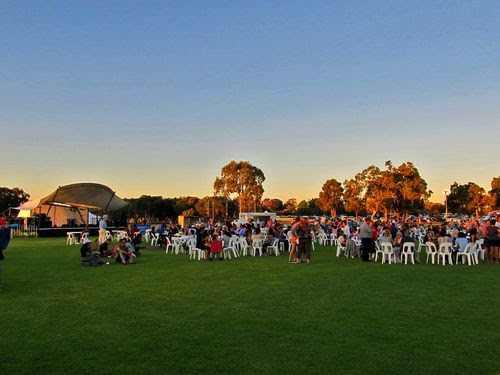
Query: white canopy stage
column 72, row 203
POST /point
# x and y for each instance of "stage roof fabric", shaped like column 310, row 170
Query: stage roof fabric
column 86, row 195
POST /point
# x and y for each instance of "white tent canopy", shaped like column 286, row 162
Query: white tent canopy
column 85, row 195
column 71, row 204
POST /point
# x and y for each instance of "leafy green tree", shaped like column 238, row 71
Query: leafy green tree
column 458, row 198
column 379, row 190
column 410, row 189
column 273, row 205
column 290, row 206
column 477, row 198
column 183, row 204
column 242, row 180
column 211, row 207
column 494, row 193
column 302, row 208
column 12, row 198
column 354, row 195
column 330, row 196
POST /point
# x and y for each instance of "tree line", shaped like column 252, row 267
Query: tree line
column 398, row 190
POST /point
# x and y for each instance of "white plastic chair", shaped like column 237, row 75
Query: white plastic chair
column 408, row 250
column 479, row 248
column 421, row 244
column 154, row 239
column 70, row 240
column 245, row 247
column 378, row 251
column 84, row 237
column 281, row 246
column 256, row 246
column 193, row 250
column 445, row 250
column 177, row 244
column 340, row 249
column 468, row 254
column 431, row 251
column 147, row 235
column 230, row 248
column 387, row 252
column 274, row 247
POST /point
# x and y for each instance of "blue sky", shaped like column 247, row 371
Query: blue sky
column 154, row 97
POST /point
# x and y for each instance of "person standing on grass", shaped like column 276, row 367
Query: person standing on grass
column 366, row 234
column 5, row 235
column 103, row 225
column 304, row 243
column 293, row 242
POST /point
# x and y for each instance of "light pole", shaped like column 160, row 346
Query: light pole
column 446, row 203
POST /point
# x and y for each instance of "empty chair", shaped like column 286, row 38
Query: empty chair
column 378, row 251
column 281, row 246
column 323, row 239
column 230, row 248
column 445, row 250
column 274, row 247
column 431, row 251
column 194, row 251
column 245, row 247
column 147, row 235
column 170, row 246
column 71, row 239
column 387, row 252
column 408, row 251
column 154, row 239
column 333, row 239
column 421, row 244
column 468, row 254
column 109, row 236
column 479, row 249
column 177, row 244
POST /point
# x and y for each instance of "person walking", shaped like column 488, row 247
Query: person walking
column 366, row 234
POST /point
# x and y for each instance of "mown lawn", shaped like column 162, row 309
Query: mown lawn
column 167, row 314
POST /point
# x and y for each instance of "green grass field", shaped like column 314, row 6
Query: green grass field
column 167, row 314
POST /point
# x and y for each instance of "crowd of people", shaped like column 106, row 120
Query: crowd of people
column 298, row 236
column 395, row 232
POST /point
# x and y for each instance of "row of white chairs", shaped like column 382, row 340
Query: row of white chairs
column 75, row 239
column 235, row 248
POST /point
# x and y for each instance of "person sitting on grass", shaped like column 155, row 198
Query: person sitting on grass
column 104, row 249
column 124, row 254
column 88, row 257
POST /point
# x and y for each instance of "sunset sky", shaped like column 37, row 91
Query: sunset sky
column 154, row 97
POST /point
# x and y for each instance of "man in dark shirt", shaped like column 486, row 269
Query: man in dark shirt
column 4, row 240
